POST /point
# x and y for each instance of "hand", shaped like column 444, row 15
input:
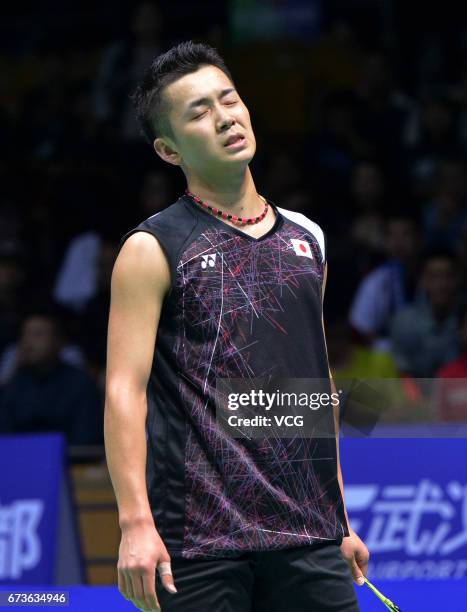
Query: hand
column 141, row 552
column 357, row 555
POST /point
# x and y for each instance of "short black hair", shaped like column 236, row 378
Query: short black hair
column 184, row 58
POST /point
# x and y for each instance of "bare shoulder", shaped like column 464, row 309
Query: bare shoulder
column 140, row 280
column 141, row 265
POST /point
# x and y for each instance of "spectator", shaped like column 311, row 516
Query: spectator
column 336, row 144
column 389, row 286
column 383, row 111
column 368, row 194
column 76, row 281
column 351, row 360
column 12, row 292
column 373, row 379
column 122, row 65
column 445, row 218
column 46, row 394
column 365, row 217
column 434, row 138
column 356, row 230
column 424, row 333
column 335, row 59
column 15, row 295
column 93, row 321
column 462, row 255
column 451, row 396
column 458, row 96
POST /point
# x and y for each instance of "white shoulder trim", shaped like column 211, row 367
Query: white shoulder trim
column 308, row 224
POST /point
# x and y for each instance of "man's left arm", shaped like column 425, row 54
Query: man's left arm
column 353, row 548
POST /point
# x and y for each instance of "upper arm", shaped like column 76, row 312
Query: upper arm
column 140, row 281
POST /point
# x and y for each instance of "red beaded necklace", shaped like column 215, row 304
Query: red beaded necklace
column 226, row 215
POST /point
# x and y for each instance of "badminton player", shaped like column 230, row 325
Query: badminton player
column 222, row 284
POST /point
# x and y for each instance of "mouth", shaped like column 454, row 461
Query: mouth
column 235, row 141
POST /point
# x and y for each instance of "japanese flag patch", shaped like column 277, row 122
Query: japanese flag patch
column 301, row 248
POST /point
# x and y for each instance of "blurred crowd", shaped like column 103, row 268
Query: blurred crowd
column 352, row 130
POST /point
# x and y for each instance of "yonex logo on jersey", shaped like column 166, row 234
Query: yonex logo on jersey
column 301, row 248
column 208, row 260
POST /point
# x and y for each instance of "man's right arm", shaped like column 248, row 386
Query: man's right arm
column 140, row 280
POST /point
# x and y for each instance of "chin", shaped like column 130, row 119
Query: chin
column 247, row 153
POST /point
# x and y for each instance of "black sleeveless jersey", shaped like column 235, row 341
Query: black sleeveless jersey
column 238, row 307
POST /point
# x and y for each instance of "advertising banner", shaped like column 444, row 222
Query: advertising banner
column 38, row 544
column 407, row 499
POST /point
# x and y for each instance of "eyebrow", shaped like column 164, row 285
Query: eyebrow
column 205, row 100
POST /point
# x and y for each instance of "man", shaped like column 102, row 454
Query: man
column 451, row 396
column 388, row 287
column 44, row 392
column 244, row 524
column 424, row 333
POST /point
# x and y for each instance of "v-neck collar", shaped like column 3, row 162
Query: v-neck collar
column 236, row 230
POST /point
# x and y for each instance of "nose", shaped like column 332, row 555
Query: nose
column 225, row 121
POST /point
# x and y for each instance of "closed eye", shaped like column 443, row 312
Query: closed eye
column 227, row 103
column 200, row 115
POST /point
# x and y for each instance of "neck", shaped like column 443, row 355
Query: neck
column 237, row 195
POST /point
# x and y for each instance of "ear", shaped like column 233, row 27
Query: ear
column 167, row 151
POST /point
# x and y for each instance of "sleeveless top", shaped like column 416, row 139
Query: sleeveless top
column 238, row 307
